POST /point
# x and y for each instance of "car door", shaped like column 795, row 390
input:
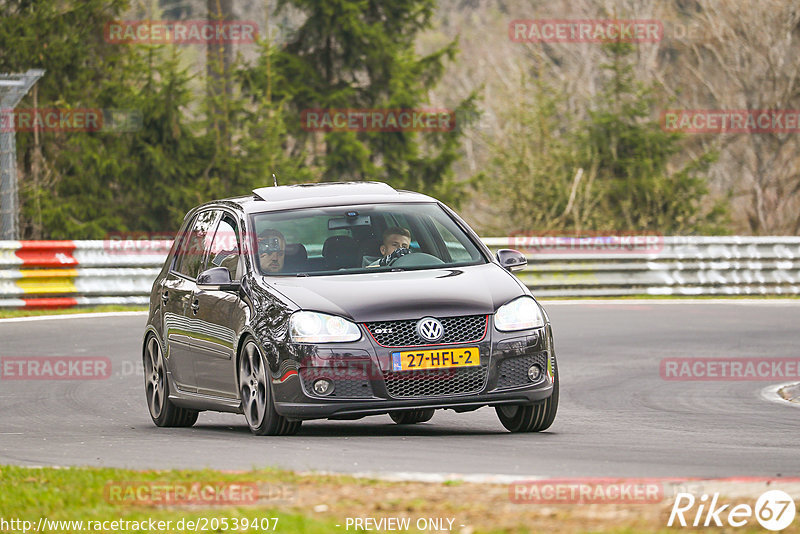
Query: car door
column 219, row 315
column 176, row 293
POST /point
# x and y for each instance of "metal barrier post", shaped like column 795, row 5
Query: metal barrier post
column 13, row 87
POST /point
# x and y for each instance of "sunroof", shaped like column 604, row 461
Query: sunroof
column 298, row 191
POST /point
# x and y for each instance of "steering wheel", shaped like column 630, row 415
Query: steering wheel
column 416, row 259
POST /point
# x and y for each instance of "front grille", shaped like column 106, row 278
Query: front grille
column 463, row 329
column 435, row 382
column 513, row 372
column 348, row 382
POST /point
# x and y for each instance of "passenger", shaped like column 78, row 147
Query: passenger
column 271, row 250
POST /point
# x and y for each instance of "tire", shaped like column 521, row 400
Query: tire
column 255, row 392
column 156, row 389
column 410, row 417
column 531, row 417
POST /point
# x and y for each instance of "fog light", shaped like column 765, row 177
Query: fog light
column 323, row 386
column 534, row 372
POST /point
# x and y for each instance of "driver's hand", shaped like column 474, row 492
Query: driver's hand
column 389, row 258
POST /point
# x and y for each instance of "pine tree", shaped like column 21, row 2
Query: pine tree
column 631, row 153
column 611, row 172
column 356, row 54
column 115, row 179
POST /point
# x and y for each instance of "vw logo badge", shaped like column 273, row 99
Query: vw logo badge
column 430, row 329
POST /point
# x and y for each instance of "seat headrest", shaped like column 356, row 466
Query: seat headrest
column 341, row 251
column 370, row 247
column 297, row 251
column 296, row 257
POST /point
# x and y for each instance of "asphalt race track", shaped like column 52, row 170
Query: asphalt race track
column 617, row 416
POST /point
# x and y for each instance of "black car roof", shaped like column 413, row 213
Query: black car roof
column 320, row 194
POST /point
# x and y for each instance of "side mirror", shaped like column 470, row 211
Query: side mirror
column 511, row 259
column 217, row 279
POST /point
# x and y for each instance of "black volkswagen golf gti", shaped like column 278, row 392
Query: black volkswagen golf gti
column 338, row 301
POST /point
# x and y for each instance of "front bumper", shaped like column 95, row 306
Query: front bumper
column 347, row 409
column 364, row 383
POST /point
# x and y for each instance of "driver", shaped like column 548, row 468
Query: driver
column 396, row 243
column 271, row 250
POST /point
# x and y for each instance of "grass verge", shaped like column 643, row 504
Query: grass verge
column 10, row 313
column 309, row 503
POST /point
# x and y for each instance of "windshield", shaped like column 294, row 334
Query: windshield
column 356, row 239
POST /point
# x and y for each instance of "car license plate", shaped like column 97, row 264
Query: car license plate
column 435, row 359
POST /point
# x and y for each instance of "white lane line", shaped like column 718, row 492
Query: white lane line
column 770, row 393
column 623, row 302
column 730, row 486
column 393, row 476
column 72, row 316
column 411, row 476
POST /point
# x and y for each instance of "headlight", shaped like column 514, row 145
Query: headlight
column 519, row 314
column 313, row 327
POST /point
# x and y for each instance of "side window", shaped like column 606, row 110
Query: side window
column 454, row 247
column 225, row 249
column 195, row 243
column 182, row 240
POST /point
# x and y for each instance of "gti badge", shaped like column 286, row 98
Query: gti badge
column 430, row 329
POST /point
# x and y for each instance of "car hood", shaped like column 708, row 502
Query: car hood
column 473, row 290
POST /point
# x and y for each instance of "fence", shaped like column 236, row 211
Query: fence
column 50, row 274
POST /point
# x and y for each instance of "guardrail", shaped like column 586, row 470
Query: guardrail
column 63, row 274
column 608, row 266
column 55, row 274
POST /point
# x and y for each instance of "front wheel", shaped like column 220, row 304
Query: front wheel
column 410, row 417
column 256, row 394
column 156, row 388
column 531, row 417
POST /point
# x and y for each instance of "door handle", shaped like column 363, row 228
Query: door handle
column 195, row 306
column 164, row 296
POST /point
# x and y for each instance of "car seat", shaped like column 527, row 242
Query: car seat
column 341, row 252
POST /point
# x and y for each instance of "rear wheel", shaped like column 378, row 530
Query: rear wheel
column 531, row 417
column 410, row 417
column 256, row 394
column 156, row 388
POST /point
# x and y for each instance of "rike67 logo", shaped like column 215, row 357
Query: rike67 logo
column 774, row 510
